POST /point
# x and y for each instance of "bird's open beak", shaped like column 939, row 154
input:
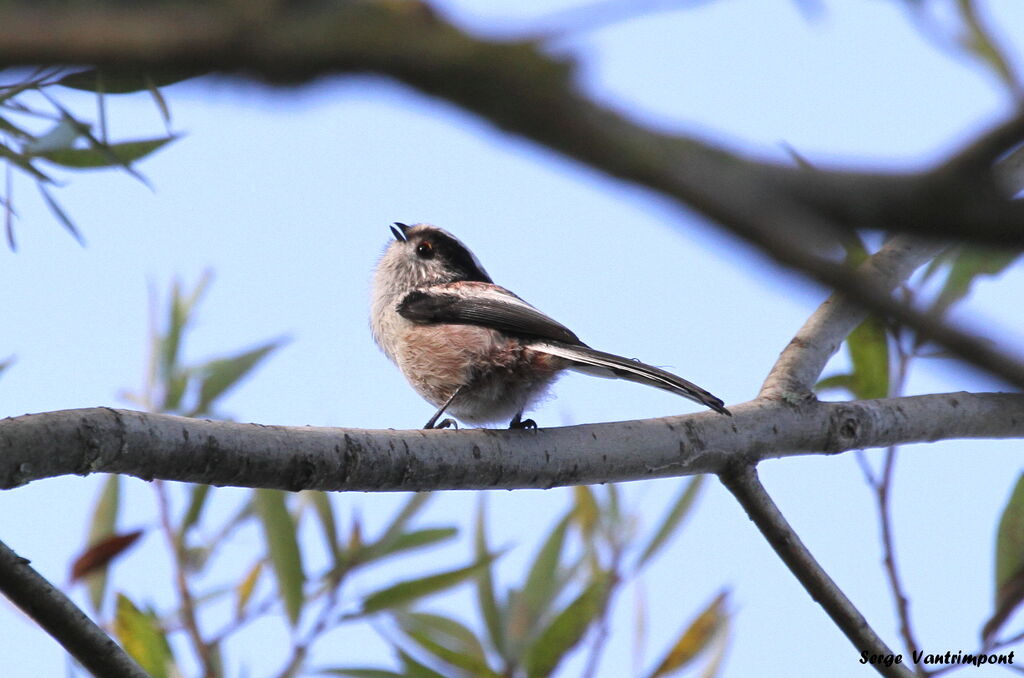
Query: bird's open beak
column 399, row 230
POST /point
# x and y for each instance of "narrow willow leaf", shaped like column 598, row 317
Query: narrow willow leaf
column 125, row 80
column 196, row 504
column 143, row 638
column 59, row 212
column 325, row 515
column 415, row 669
column 869, row 352
column 245, row 588
column 1009, row 574
column 413, row 506
column 844, row 382
column 542, row 583
column 680, row 510
column 982, row 44
column 695, row 638
column 104, row 155
column 966, row 266
column 410, row 590
column 279, row 529
column 586, row 512
column 565, row 631
column 219, row 376
column 411, row 541
column 23, row 162
column 486, row 600
column 448, row 640
column 102, row 526
column 101, row 553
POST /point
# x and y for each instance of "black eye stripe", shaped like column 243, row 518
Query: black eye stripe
column 455, row 253
column 425, row 250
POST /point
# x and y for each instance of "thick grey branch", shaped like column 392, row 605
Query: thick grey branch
column 53, row 611
column 748, row 490
column 152, row 446
column 803, row 359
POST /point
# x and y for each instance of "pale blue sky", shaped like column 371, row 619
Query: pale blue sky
column 287, row 197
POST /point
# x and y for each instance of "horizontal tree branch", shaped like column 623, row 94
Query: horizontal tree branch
column 148, row 446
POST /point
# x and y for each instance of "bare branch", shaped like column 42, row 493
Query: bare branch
column 62, row 619
column 801, row 362
column 744, row 484
column 152, row 446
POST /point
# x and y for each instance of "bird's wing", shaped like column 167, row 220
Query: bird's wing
column 486, row 305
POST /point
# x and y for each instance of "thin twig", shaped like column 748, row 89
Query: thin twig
column 62, row 619
column 743, row 482
column 188, row 608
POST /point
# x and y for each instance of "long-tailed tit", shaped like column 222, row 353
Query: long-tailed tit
column 474, row 349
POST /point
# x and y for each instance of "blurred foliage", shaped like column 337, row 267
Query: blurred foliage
column 559, row 607
column 37, row 130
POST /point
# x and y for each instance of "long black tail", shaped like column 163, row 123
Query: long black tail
column 601, row 364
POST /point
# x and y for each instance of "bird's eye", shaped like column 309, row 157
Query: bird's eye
column 425, row 250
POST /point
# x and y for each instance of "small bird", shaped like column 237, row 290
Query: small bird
column 475, row 349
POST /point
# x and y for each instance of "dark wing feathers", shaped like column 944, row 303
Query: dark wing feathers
column 499, row 309
column 504, row 312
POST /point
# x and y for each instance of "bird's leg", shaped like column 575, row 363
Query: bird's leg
column 519, row 423
column 447, row 422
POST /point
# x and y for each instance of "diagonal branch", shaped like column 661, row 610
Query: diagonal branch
column 151, row 446
column 801, row 362
column 744, row 484
column 61, row 618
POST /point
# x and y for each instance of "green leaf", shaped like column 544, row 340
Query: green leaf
column 194, row 511
column 966, row 265
column 543, row 583
column 58, row 212
column 680, row 509
column 104, row 155
column 448, row 640
column 410, row 590
column 125, row 80
column 143, row 638
column 279, row 528
column 246, row 587
column 869, row 352
column 980, row 42
column 586, row 512
column 103, row 526
column 487, row 601
column 844, row 382
column 321, row 502
column 565, row 631
column 218, row 376
column 695, row 638
column 1009, row 575
column 413, row 506
column 24, row 163
column 415, row 669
